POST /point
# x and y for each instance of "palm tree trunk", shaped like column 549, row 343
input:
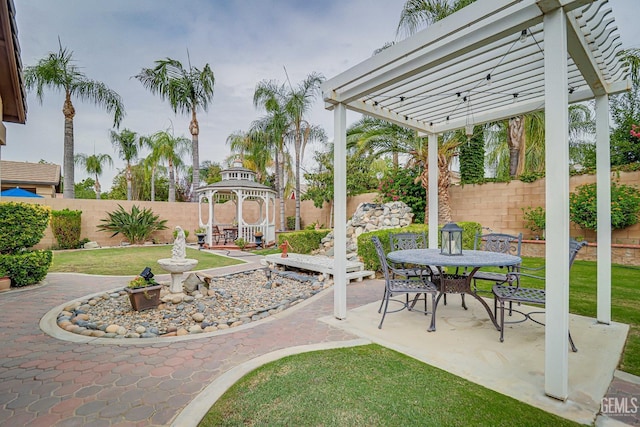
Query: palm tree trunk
column 129, row 181
column 280, row 188
column 297, row 154
column 195, row 131
column 444, row 200
column 68, row 163
column 517, row 145
column 153, row 183
column 172, row 184
column 97, row 187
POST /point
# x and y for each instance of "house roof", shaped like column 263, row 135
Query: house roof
column 29, row 173
column 12, row 88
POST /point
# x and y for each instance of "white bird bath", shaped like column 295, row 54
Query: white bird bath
column 178, row 263
column 176, row 267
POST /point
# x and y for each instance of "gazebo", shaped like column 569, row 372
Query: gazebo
column 253, row 206
column 493, row 60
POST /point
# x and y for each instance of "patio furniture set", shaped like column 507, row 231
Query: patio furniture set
column 419, row 273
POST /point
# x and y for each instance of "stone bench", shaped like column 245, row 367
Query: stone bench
column 320, row 264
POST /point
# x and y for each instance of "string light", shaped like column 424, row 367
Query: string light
column 488, row 80
column 515, row 98
column 523, row 36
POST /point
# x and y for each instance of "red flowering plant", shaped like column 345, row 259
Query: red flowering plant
column 635, row 131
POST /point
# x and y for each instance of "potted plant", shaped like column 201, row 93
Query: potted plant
column 143, row 293
column 201, row 233
column 258, row 238
column 5, row 281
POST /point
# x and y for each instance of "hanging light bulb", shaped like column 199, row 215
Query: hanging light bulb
column 488, row 80
column 515, row 98
column 523, row 36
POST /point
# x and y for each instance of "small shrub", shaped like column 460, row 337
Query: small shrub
column 137, row 225
column 141, row 282
column 175, row 234
column 625, row 206
column 303, row 241
column 26, row 268
column 291, row 223
column 66, row 225
column 241, row 243
column 21, row 225
column 530, row 176
column 535, row 219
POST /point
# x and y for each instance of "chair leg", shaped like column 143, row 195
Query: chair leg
column 382, row 302
column 501, row 321
column 434, row 303
column 386, row 305
column 573, row 346
column 464, row 304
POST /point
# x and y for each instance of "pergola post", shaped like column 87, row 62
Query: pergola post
column 433, row 190
column 556, row 373
column 340, row 213
column 603, row 185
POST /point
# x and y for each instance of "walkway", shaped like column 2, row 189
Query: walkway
column 48, row 382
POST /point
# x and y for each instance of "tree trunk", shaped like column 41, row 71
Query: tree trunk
column 279, row 186
column 195, row 131
column 297, row 147
column 153, row 183
column 128, row 177
column 172, row 184
column 97, row 187
column 68, row 162
column 517, row 145
column 444, row 200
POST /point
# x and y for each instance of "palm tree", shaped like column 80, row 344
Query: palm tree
column 58, row 71
column 249, row 146
column 187, row 90
column 93, row 165
column 381, row 137
column 171, row 149
column 126, row 143
column 151, row 162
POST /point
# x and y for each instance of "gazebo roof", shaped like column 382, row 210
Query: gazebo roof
column 437, row 80
column 236, row 177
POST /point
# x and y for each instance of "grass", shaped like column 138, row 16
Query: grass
column 128, row 261
column 366, row 386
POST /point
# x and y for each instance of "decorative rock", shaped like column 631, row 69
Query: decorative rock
column 140, row 329
column 91, row 245
column 195, row 329
column 112, row 329
column 121, row 330
column 181, row 332
column 198, row 317
column 177, row 298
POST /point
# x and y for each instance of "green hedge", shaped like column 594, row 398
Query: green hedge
column 65, row 225
column 21, row 225
column 26, row 268
column 367, row 252
column 303, row 241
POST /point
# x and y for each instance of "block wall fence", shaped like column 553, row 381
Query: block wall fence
column 497, row 206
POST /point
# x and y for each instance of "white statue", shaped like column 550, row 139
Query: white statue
column 179, row 250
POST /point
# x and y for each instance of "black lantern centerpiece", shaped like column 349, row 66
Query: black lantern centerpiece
column 451, row 236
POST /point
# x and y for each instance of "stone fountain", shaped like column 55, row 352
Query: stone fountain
column 178, row 263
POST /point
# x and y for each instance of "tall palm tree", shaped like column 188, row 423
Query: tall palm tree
column 273, row 128
column 381, row 136
column 126, row 144
column 249, row 146
column 187, row 91
column 151, row 162
column 59, row 72
column 169, row 148
column 93, row 166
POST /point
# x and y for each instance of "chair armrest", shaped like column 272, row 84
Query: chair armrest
column 514, row 278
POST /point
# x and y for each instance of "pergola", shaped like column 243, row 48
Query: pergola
column 493, row 60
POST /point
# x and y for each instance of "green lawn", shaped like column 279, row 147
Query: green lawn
column 366, row 386
column 129, row 261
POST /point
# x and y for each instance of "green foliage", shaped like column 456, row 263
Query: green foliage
column 85, row 189
column 22, row 225
column 26, row 268
column 535, row 218
column 291, row 223
column 241, row 243
column 625, row 111
column 304, row 241
column 137, row 225
column 530, row 176
column 65, row 225
column 367, row 252
column 400, row 184
column 472, row 159
column 141, row 282
column 625, row 206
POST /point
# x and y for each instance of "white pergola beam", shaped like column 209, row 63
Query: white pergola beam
column 603, row 190
column 340, row 211
column 583, row 57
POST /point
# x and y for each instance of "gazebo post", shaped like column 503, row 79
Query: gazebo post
column 603, row 189
column 556, row 372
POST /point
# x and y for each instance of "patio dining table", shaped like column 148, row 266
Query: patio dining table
column 456, row 283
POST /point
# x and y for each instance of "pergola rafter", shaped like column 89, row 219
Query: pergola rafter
column 537, row 55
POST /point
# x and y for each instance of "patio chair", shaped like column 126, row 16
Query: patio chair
column 216, row 234
column 396, row 284
column 511, row 291
column 496, row 242
column 403, row 241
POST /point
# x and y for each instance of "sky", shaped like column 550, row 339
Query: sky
column 243, row 41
